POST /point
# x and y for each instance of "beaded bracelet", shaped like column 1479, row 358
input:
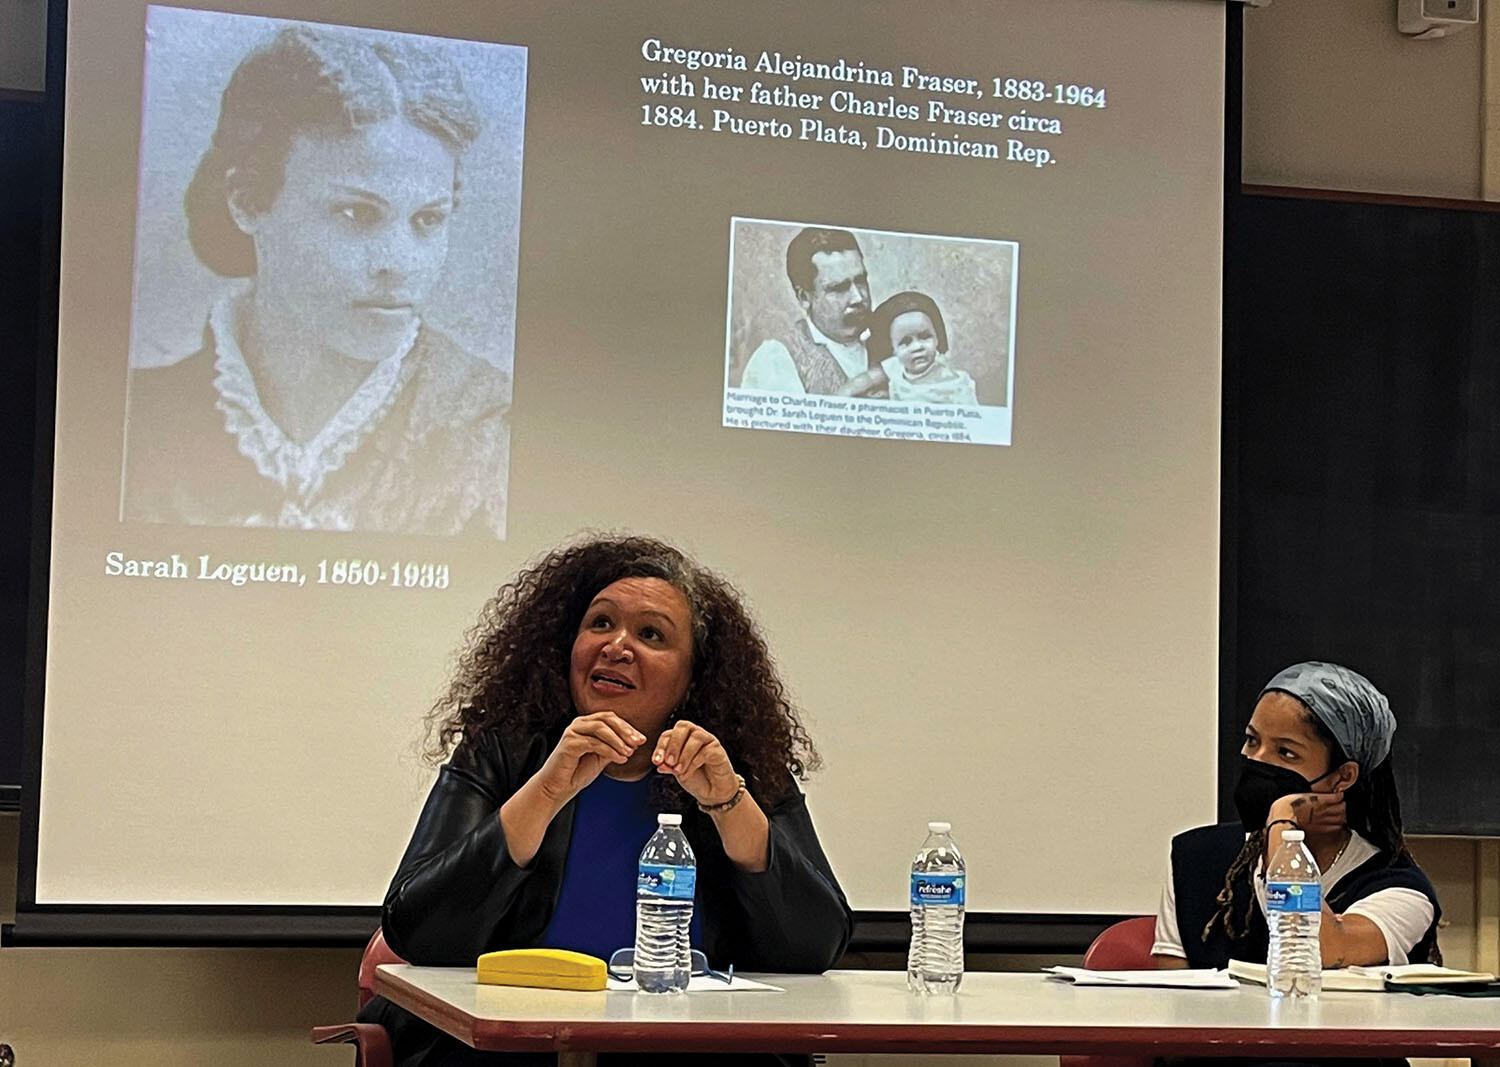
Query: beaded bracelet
column 710, row 809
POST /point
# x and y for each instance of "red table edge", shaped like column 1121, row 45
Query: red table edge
column 618, row 1036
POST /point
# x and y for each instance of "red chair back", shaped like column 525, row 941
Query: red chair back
column 372, row 1045
column 376, row 953
column 1125, row 946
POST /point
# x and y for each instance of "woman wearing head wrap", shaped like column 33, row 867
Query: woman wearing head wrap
column 1317, row 755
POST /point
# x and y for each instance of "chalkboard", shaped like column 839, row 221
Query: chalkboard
column 21, row 176
column 1364, row 400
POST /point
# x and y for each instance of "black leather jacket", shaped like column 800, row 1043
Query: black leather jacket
column 457, row 894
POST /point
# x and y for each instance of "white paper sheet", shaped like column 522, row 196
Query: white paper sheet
column 1184, row 979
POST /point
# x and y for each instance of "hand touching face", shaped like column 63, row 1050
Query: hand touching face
column 1320, row 814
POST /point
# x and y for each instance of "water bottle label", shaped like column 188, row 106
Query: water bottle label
column 937, row 889
column 1294, row 896
column 666, row 881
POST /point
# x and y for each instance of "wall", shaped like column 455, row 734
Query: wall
column 1336, row 98
column 23, row 28
column 172, row 1007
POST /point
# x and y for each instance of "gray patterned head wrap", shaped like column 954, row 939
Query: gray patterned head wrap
column 1355, row 712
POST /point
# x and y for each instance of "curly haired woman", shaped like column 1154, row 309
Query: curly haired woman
column 610, row 680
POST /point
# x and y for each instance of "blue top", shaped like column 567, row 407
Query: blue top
column 595, row 910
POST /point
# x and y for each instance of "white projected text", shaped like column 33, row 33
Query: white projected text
column 988, row 116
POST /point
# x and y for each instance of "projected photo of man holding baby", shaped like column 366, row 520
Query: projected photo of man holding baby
column 331, row 201
column 879, row 316
column 843, row 341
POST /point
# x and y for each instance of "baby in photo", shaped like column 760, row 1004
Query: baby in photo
column 909, row 342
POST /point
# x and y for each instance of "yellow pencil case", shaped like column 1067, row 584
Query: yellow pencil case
column 542, row 968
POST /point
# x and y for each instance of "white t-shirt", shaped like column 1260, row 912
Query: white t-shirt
column 771, row 365
column 1401, row 915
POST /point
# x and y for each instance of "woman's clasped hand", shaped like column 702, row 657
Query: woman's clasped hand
column 592, row 743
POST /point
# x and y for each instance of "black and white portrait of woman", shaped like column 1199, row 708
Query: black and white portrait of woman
column 323, row 320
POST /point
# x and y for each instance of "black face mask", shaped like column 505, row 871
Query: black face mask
column 1262, row 784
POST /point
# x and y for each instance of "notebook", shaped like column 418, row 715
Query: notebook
column 1374, row 977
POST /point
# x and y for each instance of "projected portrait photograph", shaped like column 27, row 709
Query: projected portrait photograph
column 907, row 319
column 325, row 274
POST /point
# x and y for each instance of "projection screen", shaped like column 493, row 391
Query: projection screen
column 962, row 457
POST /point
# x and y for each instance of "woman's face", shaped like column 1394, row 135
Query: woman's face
column 633, row 653
column 1279, row 732
column 914, row 342
column 357, row 237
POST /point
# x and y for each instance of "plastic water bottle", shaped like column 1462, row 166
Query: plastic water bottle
column 935, row 963
column 665, row 879
column 1294, row 912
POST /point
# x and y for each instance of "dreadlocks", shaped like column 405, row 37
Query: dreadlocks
column 1255, row 847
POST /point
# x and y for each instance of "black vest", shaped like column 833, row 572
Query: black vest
column 1201, row 858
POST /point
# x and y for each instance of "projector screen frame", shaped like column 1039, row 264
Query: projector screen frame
column 22, row 118
column 334, row 926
